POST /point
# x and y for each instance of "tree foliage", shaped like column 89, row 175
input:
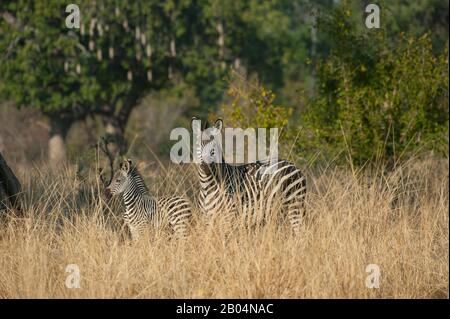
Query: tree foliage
column 377, row 99
column 380, row 89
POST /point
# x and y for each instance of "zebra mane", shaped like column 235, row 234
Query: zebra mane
column 137, row 180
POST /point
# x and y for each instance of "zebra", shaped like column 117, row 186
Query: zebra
column 253, row 187
column 143, row 209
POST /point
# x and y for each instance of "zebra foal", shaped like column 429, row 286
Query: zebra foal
column 142, row 209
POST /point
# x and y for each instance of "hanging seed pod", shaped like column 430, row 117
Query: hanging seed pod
column 138, row 55
column 100, row 29
column 91, row 45
column 78, row 68
column 130, row 76
column 173, row 50
column 125, row 24
column 91, row 27
column 148, row 50
column 107, row 27
column 82, row 30
column 138, row 33
column 66, row 66
column 99, row 55
column 111, row 52
column 150, row 75
column 117, row 11
column 143, row 39
column 237, row 63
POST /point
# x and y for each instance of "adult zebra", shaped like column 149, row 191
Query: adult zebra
column 143, row 209
column 254, row 189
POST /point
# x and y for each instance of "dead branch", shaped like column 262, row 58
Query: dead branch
column 104, row 146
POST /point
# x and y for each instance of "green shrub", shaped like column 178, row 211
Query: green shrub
column 375, row 101
column 248, row 104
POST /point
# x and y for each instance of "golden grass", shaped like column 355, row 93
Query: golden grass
column 397, row 220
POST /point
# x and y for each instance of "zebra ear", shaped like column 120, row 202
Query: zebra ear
column 130, row 163
column 192, row 122
column 126, row 166
column 218, row 124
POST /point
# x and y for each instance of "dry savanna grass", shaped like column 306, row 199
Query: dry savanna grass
column 396, row 219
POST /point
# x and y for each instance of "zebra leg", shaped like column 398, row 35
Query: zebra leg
column 134, row 233
column 296, row 212
column 295, row 203
column 294, row 219
column 180, row 213
column 180, row 228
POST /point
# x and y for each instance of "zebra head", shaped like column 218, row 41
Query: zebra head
column 121, row 178
column 208, row 149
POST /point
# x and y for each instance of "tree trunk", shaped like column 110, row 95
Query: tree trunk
column 57, row 151
column 114, row 131
column 114, row 123
column 9, row 187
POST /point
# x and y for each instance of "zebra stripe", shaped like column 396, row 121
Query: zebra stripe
column 143, row 209
column 251, row 188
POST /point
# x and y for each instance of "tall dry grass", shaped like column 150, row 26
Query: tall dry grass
column 397, row 220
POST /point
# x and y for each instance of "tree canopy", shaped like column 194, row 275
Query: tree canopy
column 319, row 52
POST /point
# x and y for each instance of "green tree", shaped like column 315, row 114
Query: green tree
column 34, row 45
column 418, row 17
column 126, row 51
column 378, row 97
column 121, row 52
